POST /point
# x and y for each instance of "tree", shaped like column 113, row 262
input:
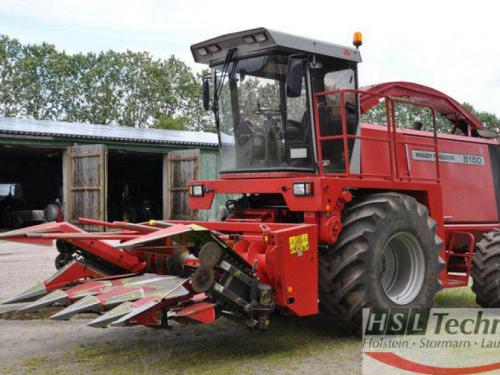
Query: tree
column 169, row 122
column 489, row 120
column 8, row 93
column 128, row 88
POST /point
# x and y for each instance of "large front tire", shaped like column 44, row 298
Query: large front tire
column 387, row 255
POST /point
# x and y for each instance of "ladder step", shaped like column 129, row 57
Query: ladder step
column 459, row 255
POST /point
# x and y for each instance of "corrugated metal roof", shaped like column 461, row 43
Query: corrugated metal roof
column 78, row 131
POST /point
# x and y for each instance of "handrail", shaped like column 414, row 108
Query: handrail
column 391, row 139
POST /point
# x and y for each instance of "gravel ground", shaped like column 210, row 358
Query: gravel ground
column 49, row 347
column 42, row 346
column 22, row 266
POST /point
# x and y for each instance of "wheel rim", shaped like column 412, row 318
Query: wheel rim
column 402, row 268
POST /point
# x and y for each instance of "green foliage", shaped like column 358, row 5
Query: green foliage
column 172, row 123
column 127, row 88
column 490, row 120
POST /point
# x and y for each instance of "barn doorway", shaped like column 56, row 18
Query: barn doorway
column 30, row 179
column 135, row 191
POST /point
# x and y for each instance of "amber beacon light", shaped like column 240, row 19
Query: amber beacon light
column 357, row 39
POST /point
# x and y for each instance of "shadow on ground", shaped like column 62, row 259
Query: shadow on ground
column 291, row 345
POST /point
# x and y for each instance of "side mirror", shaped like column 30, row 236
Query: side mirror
column 206, row 94
column 294, row 74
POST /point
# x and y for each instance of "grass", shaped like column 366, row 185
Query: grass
column 35, row 361
column 291, row 345
column 456, row 297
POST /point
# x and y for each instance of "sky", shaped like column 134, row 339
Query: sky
column 452, row 46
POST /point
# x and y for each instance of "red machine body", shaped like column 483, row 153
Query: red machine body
column 393, row 159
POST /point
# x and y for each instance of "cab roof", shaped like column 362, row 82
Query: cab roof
column 261, row 40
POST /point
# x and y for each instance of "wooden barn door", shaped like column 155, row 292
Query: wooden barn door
column 179, row 167
column 86, row 184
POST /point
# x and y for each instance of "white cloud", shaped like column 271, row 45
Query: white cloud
column 449, row 45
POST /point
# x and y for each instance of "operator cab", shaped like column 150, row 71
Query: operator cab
column 263, row 84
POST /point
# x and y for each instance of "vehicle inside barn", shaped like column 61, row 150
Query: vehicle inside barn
column 135, row 186
column 30, row 184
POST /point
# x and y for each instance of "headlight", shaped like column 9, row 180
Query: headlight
column 302, row 189
column 196, row 190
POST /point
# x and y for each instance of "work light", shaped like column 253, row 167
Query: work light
column 249, row 39
column 260, row 37
column 202, row 52
column 213, row 48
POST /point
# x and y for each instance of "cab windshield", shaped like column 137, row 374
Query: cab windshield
column 260, row 126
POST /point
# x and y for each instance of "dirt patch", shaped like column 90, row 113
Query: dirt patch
column 20, row 315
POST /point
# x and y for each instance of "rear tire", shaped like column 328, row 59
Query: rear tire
column 387, row 255
column 486, row 270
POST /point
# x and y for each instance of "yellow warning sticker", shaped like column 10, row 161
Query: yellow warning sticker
column 299, row 244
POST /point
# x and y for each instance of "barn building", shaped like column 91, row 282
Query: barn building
column 105, row 172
